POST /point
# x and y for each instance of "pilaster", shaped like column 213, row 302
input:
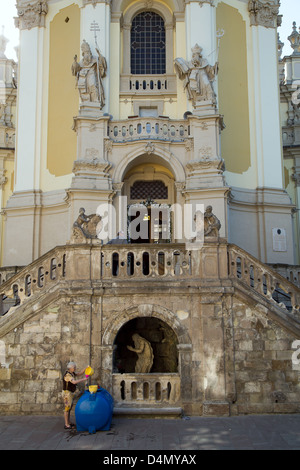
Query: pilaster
column 263, row 20
column 31, row 22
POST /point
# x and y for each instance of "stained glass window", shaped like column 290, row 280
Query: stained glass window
column 148, row 44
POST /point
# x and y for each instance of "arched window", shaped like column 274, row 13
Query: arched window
column 148, row 44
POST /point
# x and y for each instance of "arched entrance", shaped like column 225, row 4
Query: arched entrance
column 149, row 189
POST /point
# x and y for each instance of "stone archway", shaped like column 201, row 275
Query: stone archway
column 146, row 310
column 167, row 317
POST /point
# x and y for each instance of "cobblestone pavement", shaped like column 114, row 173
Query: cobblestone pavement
column 259, row 432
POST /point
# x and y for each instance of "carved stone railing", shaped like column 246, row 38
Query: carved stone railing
column 264, row 280
column 33, row 279
column 146, row 261
column 148, row 128
column 147, row 84
column 146, row 389
column 289, row 272
column 214, row 264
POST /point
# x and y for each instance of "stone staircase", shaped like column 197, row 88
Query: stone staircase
column 218, row 263
column 223, row 305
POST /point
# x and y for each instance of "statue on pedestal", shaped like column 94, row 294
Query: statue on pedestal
column 89, row 73
column 198, row 76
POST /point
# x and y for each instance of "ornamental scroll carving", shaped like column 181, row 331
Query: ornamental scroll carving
column 31, row 14
column 264, row 13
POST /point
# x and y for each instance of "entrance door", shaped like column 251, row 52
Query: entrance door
column 149, row 224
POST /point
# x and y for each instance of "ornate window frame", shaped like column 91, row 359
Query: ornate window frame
column 148, row 84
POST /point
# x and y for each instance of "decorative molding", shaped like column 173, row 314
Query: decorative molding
column 264, row 13
column 3, row 178
column 210, row 2
column 94, row 164
column 94, row 2
column 31, row 14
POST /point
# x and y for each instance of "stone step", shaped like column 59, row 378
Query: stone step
column 148, row 412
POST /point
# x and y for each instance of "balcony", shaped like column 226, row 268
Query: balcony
column 137, row 128
column 148, row 85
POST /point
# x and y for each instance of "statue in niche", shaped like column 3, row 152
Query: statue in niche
column 144, row 350
column 86, row 225
column 89, row 73
column 212, row 224
column 198, row 76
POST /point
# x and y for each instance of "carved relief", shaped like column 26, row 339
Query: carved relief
column 149, row 148
column 31, row 14
column 264, row 13
column 205, row 153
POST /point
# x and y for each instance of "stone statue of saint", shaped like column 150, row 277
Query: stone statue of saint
column 143, row 349
column 86, row 225
column 89, row 73
column 212, row 224
column 198, row 76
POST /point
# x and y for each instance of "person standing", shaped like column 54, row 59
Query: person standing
column 70, row 382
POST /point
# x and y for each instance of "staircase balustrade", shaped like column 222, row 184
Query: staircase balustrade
column 169, row 262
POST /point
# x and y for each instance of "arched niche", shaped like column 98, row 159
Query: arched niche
column 161, row 337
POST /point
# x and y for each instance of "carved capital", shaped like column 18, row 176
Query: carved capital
column 264, row 12
column 31, row 14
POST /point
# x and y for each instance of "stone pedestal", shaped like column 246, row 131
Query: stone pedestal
column 91, row 169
